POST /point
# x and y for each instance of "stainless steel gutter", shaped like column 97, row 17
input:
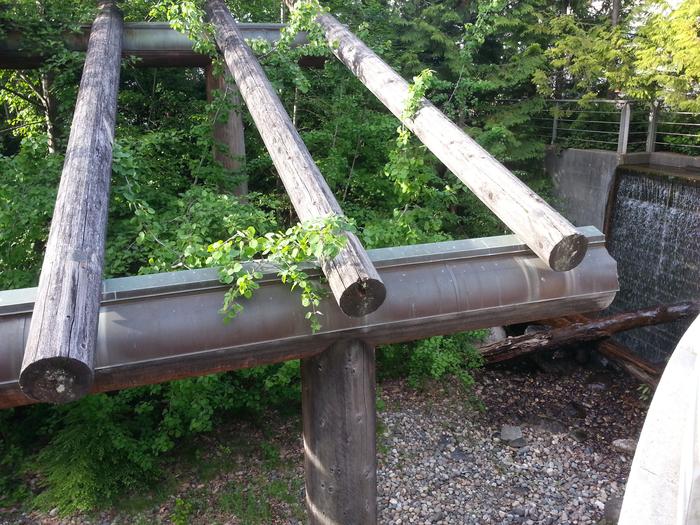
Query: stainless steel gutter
column 155, row 44
column 155, row 328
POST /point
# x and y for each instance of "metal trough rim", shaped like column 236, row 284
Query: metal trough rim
column 161, row 327
column 117, row 289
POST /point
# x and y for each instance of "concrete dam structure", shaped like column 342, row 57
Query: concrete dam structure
column 648, row 204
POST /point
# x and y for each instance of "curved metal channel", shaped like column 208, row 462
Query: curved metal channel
column 156, row 44
column 155, row 328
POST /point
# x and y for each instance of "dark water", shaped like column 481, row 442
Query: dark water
column 655, row 238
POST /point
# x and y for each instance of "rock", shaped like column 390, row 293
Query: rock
column 511, row 433
column 611, row 513
column 534, row 328
column 628, row 446
column 517, row 443
column 54, row 512
column 495, row 334
column 579, row 435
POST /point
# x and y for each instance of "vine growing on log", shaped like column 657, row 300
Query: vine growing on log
column 243, row 257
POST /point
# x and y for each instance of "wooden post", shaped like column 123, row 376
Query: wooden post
column 354, row 281
column 624, row 133
column 338, row 405
column 651, row 130
column 229, row 138
column 543, row 229
column 58, row 358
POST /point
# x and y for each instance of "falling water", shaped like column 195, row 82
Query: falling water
column 655, row 238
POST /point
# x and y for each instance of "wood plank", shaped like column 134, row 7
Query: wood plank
column 543, row 229
column 338, row 410
column 59, row 355
column 354, row 281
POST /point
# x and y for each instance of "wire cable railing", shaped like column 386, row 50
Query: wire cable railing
column 624, row 126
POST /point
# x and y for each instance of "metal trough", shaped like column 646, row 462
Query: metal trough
column 156, row 44
column 160, row 327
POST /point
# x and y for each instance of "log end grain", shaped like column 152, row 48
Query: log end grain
column 568, row 253
column 56, row 380
column 362, row 297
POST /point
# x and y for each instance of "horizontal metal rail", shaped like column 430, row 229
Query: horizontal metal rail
column 155, row 44
column 156, row 328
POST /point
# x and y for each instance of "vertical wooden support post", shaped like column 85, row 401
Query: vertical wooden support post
column 624, row 133
column 340, row 461
column 555, row 122
column 59, row 356
column 229, row 138
column 651, row 130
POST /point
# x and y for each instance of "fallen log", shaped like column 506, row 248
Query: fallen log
column 553, row 238
column 59, row 355
column 589, row 330
column 354, row 281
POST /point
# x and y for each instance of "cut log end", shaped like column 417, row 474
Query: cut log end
column 568, row 253
column 363, row 297
column 56, row 380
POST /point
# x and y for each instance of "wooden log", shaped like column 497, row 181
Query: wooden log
column 338, row 407
column 59, row 355
column 229, row 137
column 589, row 330
column 624, row 357
column 543, row 229
column 352, row 277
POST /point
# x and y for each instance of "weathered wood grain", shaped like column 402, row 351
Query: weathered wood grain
column 229, row 137
column 543, row 229
column 352, row 277
column 338, row 407
column 58, row 359
column 586, row 329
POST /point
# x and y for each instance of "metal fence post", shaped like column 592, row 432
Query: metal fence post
column 651, row 130
column 623, row 135
column 555, row 122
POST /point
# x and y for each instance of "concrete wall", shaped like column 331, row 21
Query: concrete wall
column 582, row 181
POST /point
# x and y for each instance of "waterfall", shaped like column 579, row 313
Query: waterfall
column 654, row 235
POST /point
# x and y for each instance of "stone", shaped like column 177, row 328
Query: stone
column 511, row 432
column 579, row 435
column 611, row 512
column 517, row 443
column 54, row 512
column 495, row 334
column 628, row 446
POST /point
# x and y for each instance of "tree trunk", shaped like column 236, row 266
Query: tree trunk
column 59, row 355
column 543, row 229
column 354, row 281
column 229, row 138
column 588, row 330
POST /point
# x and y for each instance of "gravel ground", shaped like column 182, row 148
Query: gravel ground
column 539, row 451
column 443, row 463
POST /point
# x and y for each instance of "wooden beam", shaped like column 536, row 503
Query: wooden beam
column 352, row 277
column 59, row 355
column 339, row 419
column 587, row 330
column 229, row 137
column 543, row 229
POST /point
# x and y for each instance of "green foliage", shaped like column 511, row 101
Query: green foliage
column 432, row 359
column 311, row 241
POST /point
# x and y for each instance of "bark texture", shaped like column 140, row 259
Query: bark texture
column 354, row 281
column 59, row 355
column 543, row 229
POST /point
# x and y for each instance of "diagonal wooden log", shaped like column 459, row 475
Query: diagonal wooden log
column 586, row 330
column 354, row 281
column 59, row 355
column 543, row 229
